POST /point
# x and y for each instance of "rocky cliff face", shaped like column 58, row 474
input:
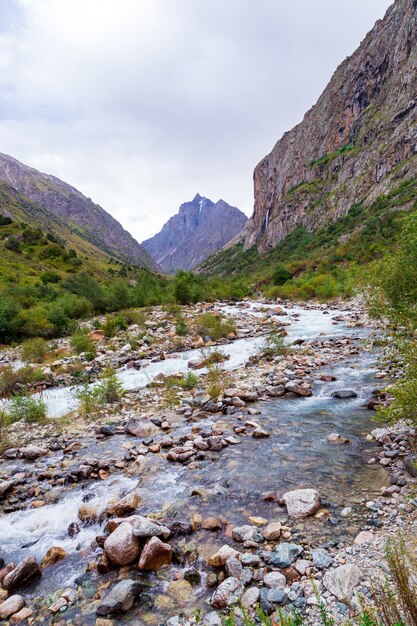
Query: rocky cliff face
column 199, row 229
column 355, row 143
column 89, row 220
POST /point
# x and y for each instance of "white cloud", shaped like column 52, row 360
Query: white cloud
column 142, row 103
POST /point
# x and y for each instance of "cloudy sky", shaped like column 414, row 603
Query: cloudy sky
column 141, row 104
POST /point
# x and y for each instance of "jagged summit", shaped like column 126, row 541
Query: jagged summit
column 200, row 228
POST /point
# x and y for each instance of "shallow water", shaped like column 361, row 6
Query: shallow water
column 231, row 483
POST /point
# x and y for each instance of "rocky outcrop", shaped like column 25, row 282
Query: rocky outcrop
column 357, row 142
column 199, row 229
column 68, row 204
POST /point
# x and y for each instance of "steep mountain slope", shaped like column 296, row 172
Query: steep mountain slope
column 81, row 214
column 199, row 229
column 357, row 142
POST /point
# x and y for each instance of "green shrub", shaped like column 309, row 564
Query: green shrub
column 11, row 379
column 27, row 408
column 50, row 277
column 134, row 316
column 189, row 380
column 181, row 328
column 10, row 320
column 275, row 346
column 109, row 389
column 81, row 342
column 34, row 350
column 113, row 324
column 13, row 244
column 214, row 326
column 280, row 275
column 87, row 398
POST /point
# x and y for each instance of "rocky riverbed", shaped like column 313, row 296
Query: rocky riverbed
column 147, row 511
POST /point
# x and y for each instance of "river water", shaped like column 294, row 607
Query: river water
column 230, row 485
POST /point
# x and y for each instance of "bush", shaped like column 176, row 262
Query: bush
column 133, row 316
column 34, row 350
column 216, row 380
column 10, row 321
column 27, row 408
column 113, row 324
column 50, row 277
column 87, row 398
column 214, row 326
column 81, row 342
column 275, row 346
column 189, row 380
column 181, row 328
column 11, row 379
column 110, row 389
column 280, row 275
column 13, row 244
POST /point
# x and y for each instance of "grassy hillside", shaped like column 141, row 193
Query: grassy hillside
column 329, row 261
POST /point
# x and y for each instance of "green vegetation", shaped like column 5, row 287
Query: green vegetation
column 275, row 345
column 349, row 147
column 34, row 350
column 27, row 408
column 82, row 343
column 330, row 262
column 108, row 391
column 181, row 328
column 11, row 380
column 214, row 326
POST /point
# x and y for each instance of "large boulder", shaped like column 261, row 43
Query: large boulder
column 342, row 581
column 122, row 547
column 139, row 428
column 26, row 571
column 302, row 502
column 155, row 555
column 228, row 593
column 120, row 598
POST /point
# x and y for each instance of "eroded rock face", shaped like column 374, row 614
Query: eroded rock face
column 354, row 144
column 301, row 502
column 199, row 229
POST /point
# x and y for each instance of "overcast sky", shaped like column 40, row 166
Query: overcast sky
column 140, row 104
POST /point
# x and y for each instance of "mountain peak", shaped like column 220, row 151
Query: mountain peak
column 193, row 234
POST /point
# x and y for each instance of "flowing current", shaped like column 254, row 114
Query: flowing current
column 296, row 455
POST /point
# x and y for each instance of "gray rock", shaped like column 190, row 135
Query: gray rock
column 144, row 528
column 410, row 463
column 244, row 533
column 250, row 597
column 120, row 598
column 122, row 547
column 344, row 394
column 228, row 593
column 321, row 558
column 233, row 568
column 284, row 555
column 302, row 502
column 275, row 580
column 342, row 581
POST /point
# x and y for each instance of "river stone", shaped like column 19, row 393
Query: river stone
column 365, row 536
column 344, row 394
column 138, row 428
column 321, row 558
column 144, row 528
column 299, row 390
column 302, row 502
column 120, row 598
column 250, row 597
column 21, row 616
column 228, row 593
column 272, row 532
column 27, row 570
column 155, row 555
column 275, row 580
column 122, row 547
column 411, row 464
column 53, row 555
column 233, row 567
column 5, row 486
column 33, row 452
column 244, row 533
column 181, row 591
column 219, row 558
column 284, row 555
column 128, row 504
column 336, row 439
column 342, row 581
column 11, row 606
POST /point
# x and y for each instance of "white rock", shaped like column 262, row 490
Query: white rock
column 302, row 502
column 342, row 581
